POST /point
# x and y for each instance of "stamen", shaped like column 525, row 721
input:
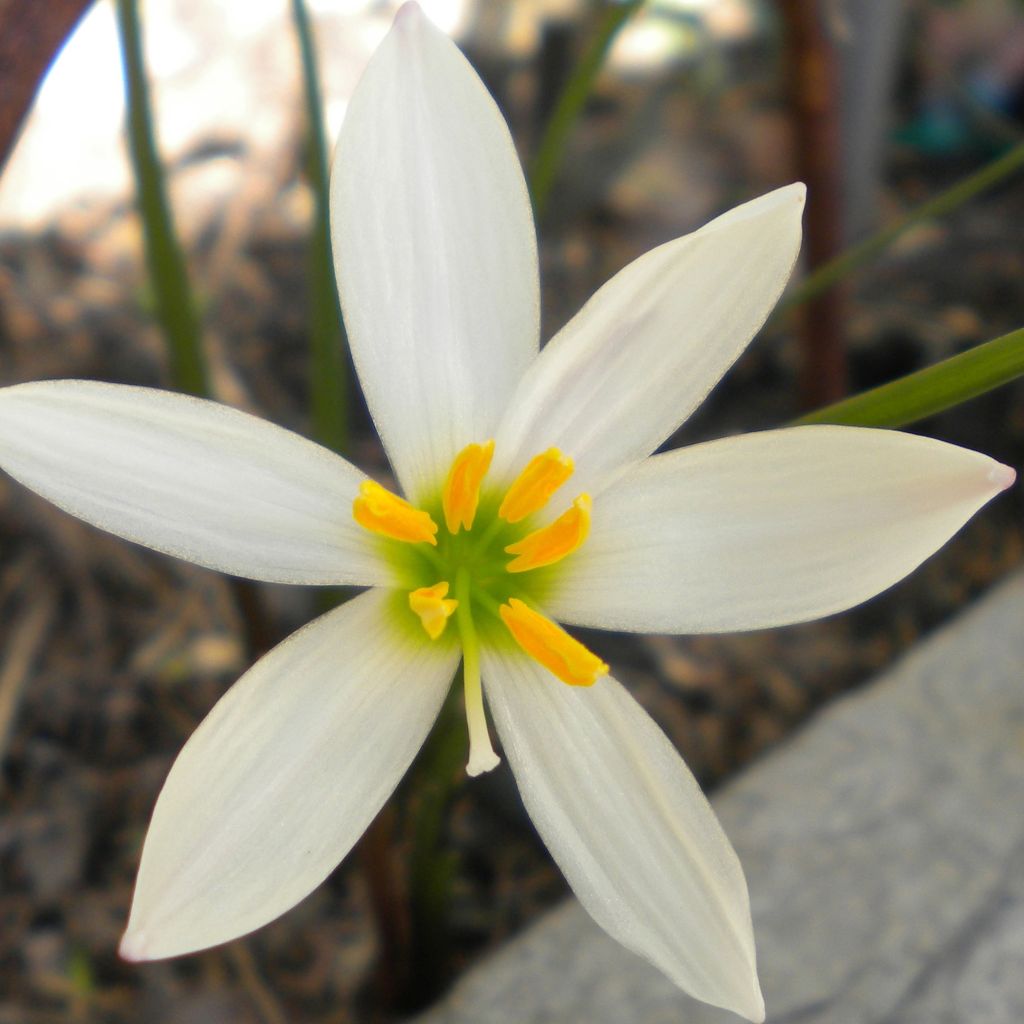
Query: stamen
column 548, row 643
column 380, row 511
column 553, row 542
column 462, row 488
column 434, row 611
column 532, row 489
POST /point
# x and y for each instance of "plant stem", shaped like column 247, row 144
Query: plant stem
column 431, row 867
column 843, row 265
column 551, row 149
column 328, row 380
column 377, row 860
column 931, row 390
column 175, row 306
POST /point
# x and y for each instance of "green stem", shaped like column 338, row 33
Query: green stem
column 328, row 367
column 432, row 867
column 931, row 390
column 835, row 270
column 570, row 102
column 176, row 308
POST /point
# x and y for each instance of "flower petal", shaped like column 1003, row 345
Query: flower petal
column 629, row 827
column 191, row 478
column 434, row 250
column 645, row 350
column 283, row 776
column 770, row 528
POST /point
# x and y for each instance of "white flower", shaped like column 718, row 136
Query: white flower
column 438, row 276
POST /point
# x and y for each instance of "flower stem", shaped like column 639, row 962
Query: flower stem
column 379, row 864
column 432, row 863
column 175, row 305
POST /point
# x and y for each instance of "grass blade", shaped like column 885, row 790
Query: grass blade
column 175, row 306
column 328, row 368
column 931, row 390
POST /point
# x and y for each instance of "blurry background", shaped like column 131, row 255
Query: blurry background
column 110, row 655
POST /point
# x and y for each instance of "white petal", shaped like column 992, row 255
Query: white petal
column 629, row 827
column 283, row 776
column 189, row 477
column 770, row 528
column 645, row 350
column 434, row 249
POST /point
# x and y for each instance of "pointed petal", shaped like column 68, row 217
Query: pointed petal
column 435, row 251
column 191, row 478
column 629, row 827
column 645, row 350
column 770, row 528
column 283, row 776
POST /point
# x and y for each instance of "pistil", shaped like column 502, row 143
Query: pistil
column 482, row 757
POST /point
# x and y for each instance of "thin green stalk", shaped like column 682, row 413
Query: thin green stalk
column 931, row 390
column 328, row 368
column 175, row 306
column 432, row 866
column 856, row 256
column 551, row 150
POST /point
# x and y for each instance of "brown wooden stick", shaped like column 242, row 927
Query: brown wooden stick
column 31, row 33
column 812, row 88
column 388, row 897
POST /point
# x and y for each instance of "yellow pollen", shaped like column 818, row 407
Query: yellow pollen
column 543, row 475
column 553, row 542
column 434, row 611
column 380, row 511
column 462, row 488
column 549, row 644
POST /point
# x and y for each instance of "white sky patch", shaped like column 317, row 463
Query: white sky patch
column 224, row 72
column 227, row 73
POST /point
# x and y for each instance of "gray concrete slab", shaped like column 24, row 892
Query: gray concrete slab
column 884, row 847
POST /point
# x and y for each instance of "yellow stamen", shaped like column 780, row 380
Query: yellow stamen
column 462, row 488
column 553, row 542
column 546, row 641
column 434, row 611
column 382, row 512
column 543, row 475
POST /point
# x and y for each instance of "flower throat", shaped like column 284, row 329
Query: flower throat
column 486, row 569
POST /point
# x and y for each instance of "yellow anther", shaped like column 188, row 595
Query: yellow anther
column 434, row 611
column 543, row 475
column 553, row 542
column 382, row 512
column 462, row 488
column 549, row 644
